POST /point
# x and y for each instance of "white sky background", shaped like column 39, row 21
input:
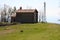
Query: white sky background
column 52, row 7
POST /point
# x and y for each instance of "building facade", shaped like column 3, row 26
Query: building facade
column 26, row 16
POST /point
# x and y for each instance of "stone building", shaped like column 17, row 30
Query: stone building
column 26, row 15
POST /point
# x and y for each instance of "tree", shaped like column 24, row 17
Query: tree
column 2, row 16
column 14, row 9
column 9, row 15
column 6, row 13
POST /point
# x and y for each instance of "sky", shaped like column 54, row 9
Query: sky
column 52, row 7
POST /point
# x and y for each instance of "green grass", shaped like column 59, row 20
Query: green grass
column 38, row 31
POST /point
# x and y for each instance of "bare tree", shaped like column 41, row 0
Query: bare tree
column 14, row 9
column 2, row 16
column 6, row 13
column 9, row 15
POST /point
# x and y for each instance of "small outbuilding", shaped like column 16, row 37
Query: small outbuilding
column 27, row 15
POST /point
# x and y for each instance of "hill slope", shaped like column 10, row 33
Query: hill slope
column 39, row 31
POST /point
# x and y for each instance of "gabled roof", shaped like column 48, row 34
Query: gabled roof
column 27, row 10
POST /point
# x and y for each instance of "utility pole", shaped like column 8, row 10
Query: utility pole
column 44, row 11
column 44, row 14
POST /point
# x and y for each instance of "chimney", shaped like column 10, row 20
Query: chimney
column 20, row 8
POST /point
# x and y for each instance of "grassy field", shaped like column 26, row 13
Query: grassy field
column 38, row 31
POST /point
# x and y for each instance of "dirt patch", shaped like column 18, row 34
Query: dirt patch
column 7, row 31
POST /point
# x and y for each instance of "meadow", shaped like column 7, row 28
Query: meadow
column 36, row 31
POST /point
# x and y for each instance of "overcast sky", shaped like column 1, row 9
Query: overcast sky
column 52, row 7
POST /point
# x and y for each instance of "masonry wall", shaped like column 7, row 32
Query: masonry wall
column 26, row 17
